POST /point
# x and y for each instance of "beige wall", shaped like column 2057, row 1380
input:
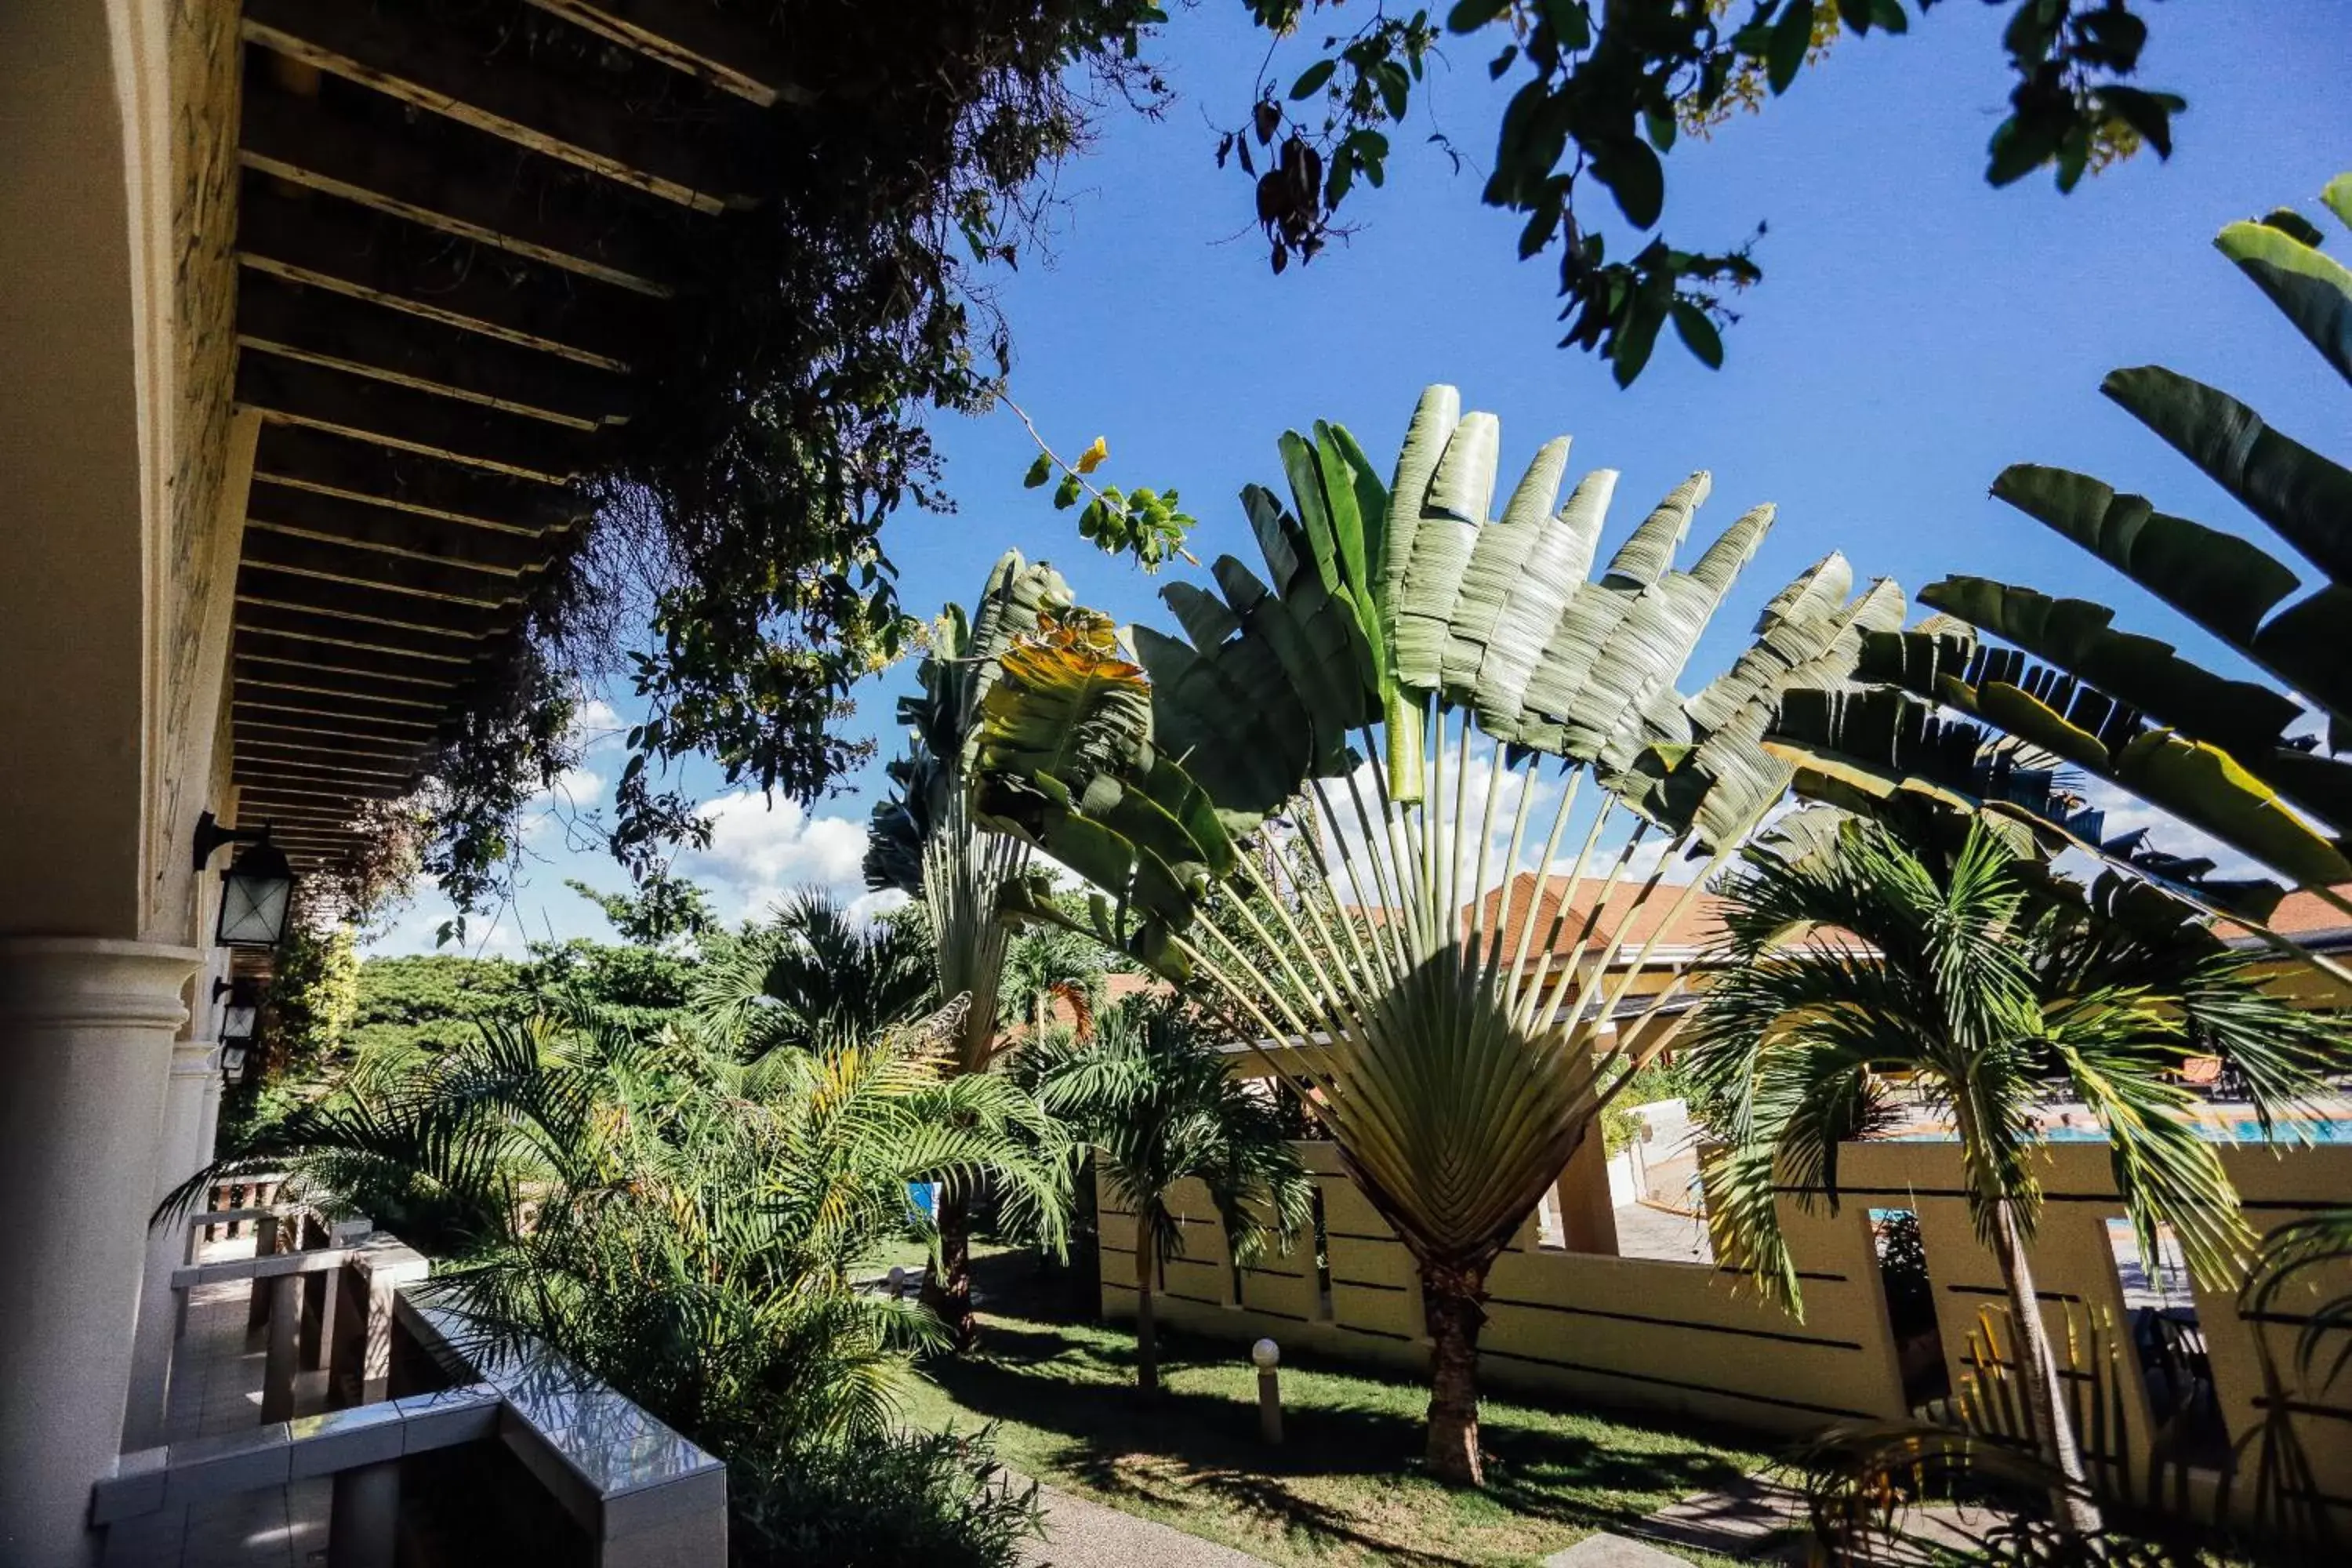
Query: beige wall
column 116, row 281
column 1694, row 1340
column 73, row 621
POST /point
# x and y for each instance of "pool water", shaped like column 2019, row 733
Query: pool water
column 2240, row 1129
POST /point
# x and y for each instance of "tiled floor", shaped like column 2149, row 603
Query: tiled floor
column 216, row 1388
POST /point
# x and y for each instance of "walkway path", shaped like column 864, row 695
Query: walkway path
column 216, row 1389
column 1085, row 1534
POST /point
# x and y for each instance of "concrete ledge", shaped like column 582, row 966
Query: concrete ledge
column 200, row 1468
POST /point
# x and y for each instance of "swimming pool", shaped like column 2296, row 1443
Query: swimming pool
column 2214, row 1128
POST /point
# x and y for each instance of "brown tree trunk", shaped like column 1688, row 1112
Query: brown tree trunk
column 1452, row 1298
column 2037, row 1367
column 947, row 1292
column 1146, row 1342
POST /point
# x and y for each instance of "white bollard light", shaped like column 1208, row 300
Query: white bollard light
column 1267, row 1357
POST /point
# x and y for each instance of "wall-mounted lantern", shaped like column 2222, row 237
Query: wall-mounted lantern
column 240, row 1017
column 257, row 890
column 233, row 1061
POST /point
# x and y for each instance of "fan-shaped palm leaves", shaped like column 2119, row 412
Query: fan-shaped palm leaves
column 1396, row 684
column 1983, row 977
column 923, row 842
column 2229, row 757
column 1161, row 1108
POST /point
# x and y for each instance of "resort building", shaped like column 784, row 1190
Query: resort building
column 309, row 309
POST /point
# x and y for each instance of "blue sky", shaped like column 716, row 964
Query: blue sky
column 1915, row 332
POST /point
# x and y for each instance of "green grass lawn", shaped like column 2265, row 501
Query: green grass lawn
column 1345, row 1487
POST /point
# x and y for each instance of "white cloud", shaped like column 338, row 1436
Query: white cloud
column 597, row 727
column 575, row 790
column 760, row 855
column 870, row 907
column 2127, row 813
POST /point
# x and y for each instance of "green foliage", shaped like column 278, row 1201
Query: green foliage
column 311, row 1003
column 812, row 979
column 2232, row 757
column 1605, row 92
column 1988, row 977
column 430, row 1003
column 1144, row 524
column 669, row 910
column 1161, row 1105
column 886, row 1501
column 686, row 1227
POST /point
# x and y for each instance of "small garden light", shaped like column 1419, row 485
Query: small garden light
column 1267, row 1356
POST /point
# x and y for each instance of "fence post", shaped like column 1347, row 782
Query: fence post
column 365, row 1516
column 267, row 1243
column 285, row 1329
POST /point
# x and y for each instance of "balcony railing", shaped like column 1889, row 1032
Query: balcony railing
column 433, row 1436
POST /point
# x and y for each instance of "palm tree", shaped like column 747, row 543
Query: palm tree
column 1045, row 964
column 1986, row 978
column 1299, row 810
column 1162, row 1107
column 923, row 842
column 681, row 1223
column 813, row 978
column 2233, row 757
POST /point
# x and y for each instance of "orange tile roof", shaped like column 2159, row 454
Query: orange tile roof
column 1695, row 924
column 2302, row 913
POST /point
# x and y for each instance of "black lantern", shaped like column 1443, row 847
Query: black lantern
column 257, row 889
column 243, row 1014
column 233, row 1062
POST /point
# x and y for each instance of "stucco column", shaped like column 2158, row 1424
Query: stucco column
column 86, row 1033
column 184, row 1149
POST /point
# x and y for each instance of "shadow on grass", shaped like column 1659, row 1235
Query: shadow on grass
column 1170, row 1448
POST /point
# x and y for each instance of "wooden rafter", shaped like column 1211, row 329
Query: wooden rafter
column 274, row 648
column 330, row 244
column 729, row 50
column 295, row 392
column 360, row 470
column 310, row 515
column 339, row 683
column 324, row 327
column 462, row 182
column 446, row 582
column 509, row 94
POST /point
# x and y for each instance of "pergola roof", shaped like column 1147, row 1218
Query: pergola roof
column 456, row 236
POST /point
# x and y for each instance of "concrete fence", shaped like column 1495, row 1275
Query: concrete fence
column 1695, row 1340
column 418, row 1400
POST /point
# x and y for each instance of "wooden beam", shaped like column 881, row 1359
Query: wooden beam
column 262, row 752
column 332, row 244
column 731, row 50
column 266, row 586
column 361, row 470
column 278, row 788
column 631, row 137
column 374, row 569
column 292, row 391
column 291, row 737
column 253, row 717
column 325, row 327
column 358, row 637
column 456, row 180
column 274, row 648
column 310, row 515
column 263, row 697
column 250, row 769
column 337, row 683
